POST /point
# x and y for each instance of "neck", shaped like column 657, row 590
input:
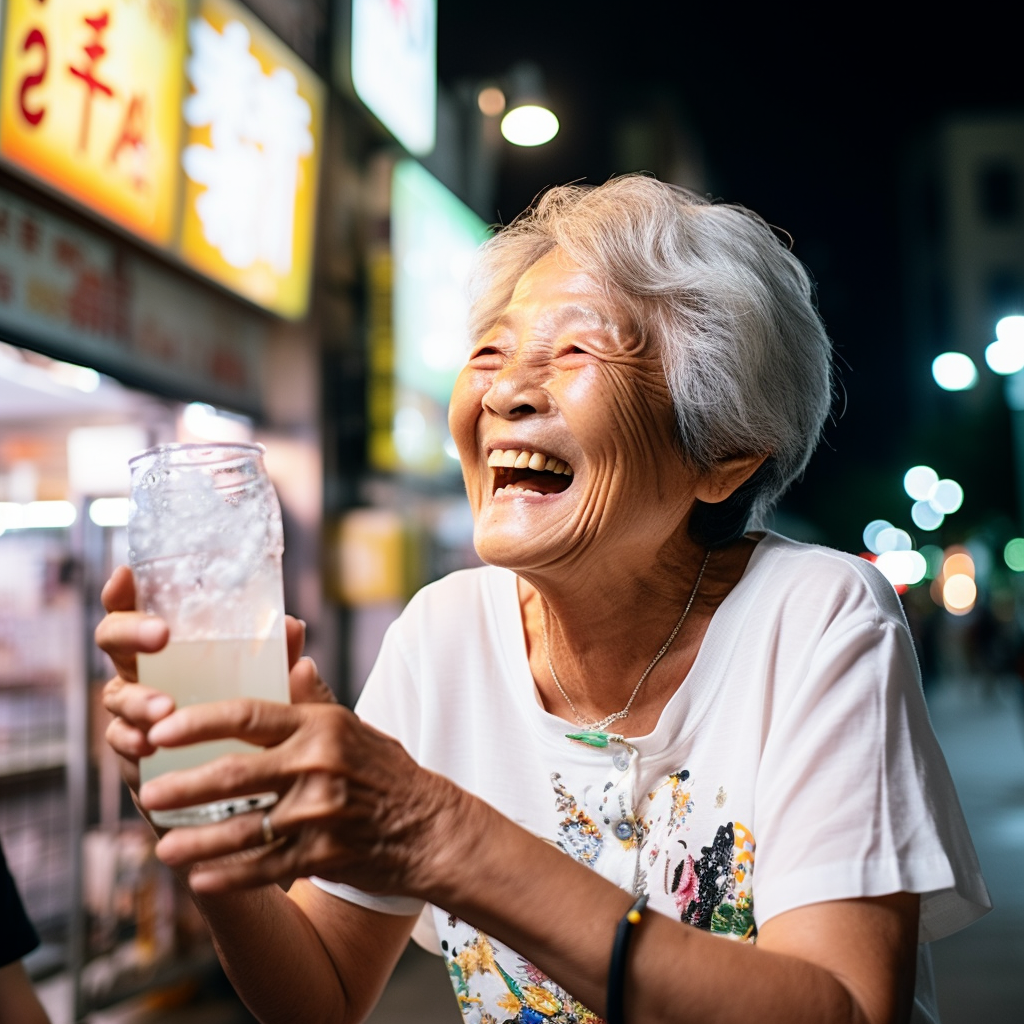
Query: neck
column 603, row 636
column 622, row 714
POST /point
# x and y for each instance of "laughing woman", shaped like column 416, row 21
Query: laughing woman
column 650, row 763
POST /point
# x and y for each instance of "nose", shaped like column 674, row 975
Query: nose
column 517, row 390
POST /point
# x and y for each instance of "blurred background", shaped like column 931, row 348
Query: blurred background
column 224, row 220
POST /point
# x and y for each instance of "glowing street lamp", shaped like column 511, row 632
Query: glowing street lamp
column 528, row 120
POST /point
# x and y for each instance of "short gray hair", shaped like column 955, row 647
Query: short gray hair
column 746, row 355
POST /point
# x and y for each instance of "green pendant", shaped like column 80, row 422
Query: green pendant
column 592, row 739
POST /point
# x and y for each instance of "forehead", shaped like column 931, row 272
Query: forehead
column 557, row 289
column 556, row 280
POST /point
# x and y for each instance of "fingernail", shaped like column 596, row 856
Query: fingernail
column 161, row 704
column 151, row 631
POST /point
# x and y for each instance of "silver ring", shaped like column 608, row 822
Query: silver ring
column 268, row 830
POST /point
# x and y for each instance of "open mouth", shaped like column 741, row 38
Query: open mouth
column 525, row 470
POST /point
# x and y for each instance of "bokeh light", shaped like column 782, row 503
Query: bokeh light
column 954, row 371
column 959, row 563
column 871, row 532
column 919, row 481
column 530, row 126
column 109, row 511
column 959, row 593
column 892, row 539
column 925, row 516
column 1010, row 328
column 491, row 101
column 902, row 567
column 1013, row 554
column 1005, row 357
column 933, row 556
column 946, row 497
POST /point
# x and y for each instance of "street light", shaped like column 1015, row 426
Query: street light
column 528, row 121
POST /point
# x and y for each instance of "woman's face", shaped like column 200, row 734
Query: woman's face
column 564, row 389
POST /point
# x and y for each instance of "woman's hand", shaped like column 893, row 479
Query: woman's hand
column 123, row 633
column 354, row 806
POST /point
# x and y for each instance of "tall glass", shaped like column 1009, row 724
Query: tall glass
column 205, row 539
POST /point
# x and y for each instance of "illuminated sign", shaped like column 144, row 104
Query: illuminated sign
column 87, row 301
column 90, row 94
column 189, row 124
column 393, row 63
column 251, row 158
column 434, row 237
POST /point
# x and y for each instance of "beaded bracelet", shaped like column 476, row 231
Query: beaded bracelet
column 615, row 1011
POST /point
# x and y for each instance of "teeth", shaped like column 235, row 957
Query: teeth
column 516, row 458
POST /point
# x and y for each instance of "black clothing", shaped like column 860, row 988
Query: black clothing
column 17, row 936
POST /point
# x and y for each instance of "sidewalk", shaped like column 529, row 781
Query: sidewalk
column 979, row 972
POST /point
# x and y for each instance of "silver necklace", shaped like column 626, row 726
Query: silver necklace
column 601, row 724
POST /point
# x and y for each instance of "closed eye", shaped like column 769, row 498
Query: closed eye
column 486, row 358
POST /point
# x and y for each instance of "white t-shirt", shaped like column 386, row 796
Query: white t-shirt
column 795, row 764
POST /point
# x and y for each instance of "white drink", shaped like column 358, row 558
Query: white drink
column 202, row 671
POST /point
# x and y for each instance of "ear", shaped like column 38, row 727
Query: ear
column 727, row 476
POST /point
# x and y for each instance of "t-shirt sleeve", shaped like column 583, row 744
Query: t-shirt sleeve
column 853, row 795
column 17, row 936
column 390, row 703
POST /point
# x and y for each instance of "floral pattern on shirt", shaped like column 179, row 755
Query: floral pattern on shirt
column 709, row 888
column 520, row 991
column 713, row 890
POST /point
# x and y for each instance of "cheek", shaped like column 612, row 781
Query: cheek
column 627, row 416
column 464, row 407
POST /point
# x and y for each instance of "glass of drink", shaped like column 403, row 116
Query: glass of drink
column 205, row 539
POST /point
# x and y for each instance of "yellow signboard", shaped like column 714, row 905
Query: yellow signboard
column 253, row 124
column 90, row 103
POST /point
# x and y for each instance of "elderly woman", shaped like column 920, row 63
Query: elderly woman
column 645, row 765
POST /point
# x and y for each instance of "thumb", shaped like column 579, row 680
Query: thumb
column 307, row 686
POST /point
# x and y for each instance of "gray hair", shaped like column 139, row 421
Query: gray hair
column 746, row 355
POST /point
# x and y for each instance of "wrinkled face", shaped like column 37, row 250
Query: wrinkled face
column 565, row 429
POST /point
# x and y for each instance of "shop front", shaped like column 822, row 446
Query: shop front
column 141, row 302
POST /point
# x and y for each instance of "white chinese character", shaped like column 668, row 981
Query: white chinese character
column 259, row 130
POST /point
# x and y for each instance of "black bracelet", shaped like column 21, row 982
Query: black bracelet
column 615, row 1011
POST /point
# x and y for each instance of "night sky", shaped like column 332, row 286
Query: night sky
column 802, row 117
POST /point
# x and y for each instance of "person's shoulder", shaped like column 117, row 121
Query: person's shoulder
column 826, row 576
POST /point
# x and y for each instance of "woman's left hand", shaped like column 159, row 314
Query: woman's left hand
column 354, row 807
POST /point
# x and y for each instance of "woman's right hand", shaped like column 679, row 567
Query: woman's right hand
column 122, row 634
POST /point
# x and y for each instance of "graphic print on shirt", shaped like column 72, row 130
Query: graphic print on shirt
column 714, row 890
column 578, row 835
column 521, row 992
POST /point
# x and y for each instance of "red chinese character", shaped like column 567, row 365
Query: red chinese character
column 94, row 51
column 133, row 135
column 66, row 253
column 34, row 39
column 31, row 234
